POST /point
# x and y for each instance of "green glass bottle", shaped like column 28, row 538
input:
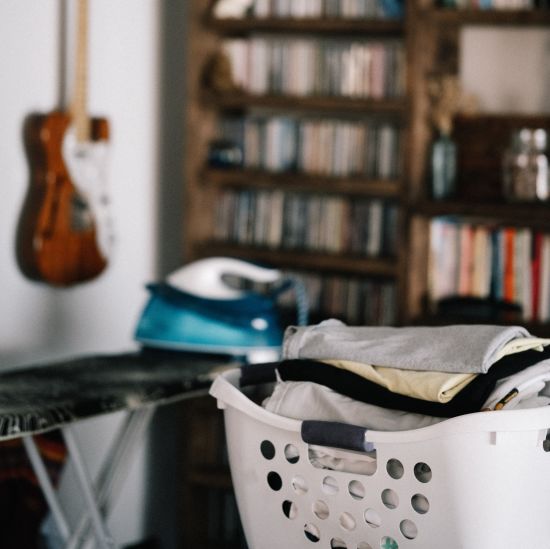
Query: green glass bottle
column 443, row 167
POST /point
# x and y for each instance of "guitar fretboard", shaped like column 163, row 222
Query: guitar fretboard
column 79, row 112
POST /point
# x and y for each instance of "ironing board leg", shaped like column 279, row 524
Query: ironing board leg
column 103, row 536
column 114, row 467
column 46, row 485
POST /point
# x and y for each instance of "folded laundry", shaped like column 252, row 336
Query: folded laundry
column 434, row 386
column 511, row 391
column 470, row 399
column 456, row 348
column 309, row 400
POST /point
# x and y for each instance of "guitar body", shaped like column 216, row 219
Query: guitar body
column 58, row 232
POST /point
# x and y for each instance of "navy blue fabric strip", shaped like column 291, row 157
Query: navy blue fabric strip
column 253, row 374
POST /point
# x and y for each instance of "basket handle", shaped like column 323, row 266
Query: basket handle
column 336, row 435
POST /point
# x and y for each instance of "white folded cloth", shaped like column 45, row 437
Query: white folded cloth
column 308, row 400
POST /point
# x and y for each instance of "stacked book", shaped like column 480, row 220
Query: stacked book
column 300, row 221
column 356, row 301
column 329, row 147
column 502, row 263
column 349, row 9
column 373, row 69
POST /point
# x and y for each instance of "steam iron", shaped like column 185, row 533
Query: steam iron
column 195, row 309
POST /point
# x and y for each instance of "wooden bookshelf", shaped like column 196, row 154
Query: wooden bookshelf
column 300, row 259
column 330, row 26
column 205, row 185
column 481, row 140
column 431, row 38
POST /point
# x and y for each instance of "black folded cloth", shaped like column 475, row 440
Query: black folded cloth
column 470, row 399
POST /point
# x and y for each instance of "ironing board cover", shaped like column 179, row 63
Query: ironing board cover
column 39, row 398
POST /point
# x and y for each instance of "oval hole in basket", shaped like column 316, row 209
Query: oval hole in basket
column 337, row 543
column 395, row 468
column 292, row 454
column 320, row 509
column 347, row 522
column 290, row 509
column 330, row 486
column 408, row 529
column 312, row 532
column 372, row 518
column 299, row 485
column 363, row 545
column 422, row 472
column 356, row 489
column 267, row 449
column 388, row 543
column 390, row 498
column 274, row 480
column 420, row 504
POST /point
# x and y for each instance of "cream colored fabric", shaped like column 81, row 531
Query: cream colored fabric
column 432, row 386
column 522, row 344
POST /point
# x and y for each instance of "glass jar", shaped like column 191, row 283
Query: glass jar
column 443, row 165
column 526, row 177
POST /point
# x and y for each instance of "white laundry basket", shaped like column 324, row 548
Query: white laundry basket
column 478, row 481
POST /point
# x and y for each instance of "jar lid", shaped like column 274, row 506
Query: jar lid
column 540, row 139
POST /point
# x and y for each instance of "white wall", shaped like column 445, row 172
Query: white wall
column 38, row 322
column 508, row 69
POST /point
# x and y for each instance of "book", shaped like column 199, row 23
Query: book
column 536, row 260
column 509, row 267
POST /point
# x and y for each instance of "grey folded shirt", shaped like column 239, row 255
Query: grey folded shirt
column 457, row 348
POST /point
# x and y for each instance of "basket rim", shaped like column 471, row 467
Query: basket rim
column 229, row 395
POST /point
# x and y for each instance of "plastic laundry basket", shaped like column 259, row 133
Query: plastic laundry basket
column 478, row 481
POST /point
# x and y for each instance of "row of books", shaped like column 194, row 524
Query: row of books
column 502, row 263
column 318, row 67
column 365, row 301
column 348, row 9
column 369, row 148
column 312, row 222
column 356, row 301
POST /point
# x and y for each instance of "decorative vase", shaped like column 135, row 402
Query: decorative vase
column 443, row 164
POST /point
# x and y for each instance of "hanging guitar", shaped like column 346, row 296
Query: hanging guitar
column 65, row 234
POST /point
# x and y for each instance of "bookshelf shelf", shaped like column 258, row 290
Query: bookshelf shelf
column 244, row 101
column 359, row 186
column 525, row 215
column 534, row 17
column 376, row 27
column 297, row 260
column 431, row 40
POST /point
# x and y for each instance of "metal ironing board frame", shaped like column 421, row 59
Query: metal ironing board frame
column 196, row 372
column 97, row 494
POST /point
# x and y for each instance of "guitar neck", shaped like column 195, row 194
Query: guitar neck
column 79, row 114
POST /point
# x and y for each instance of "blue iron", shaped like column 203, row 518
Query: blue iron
column 195, row 309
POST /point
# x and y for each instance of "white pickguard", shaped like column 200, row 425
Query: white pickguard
column 87, row 166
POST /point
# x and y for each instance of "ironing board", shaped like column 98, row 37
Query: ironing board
column 36, row 399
